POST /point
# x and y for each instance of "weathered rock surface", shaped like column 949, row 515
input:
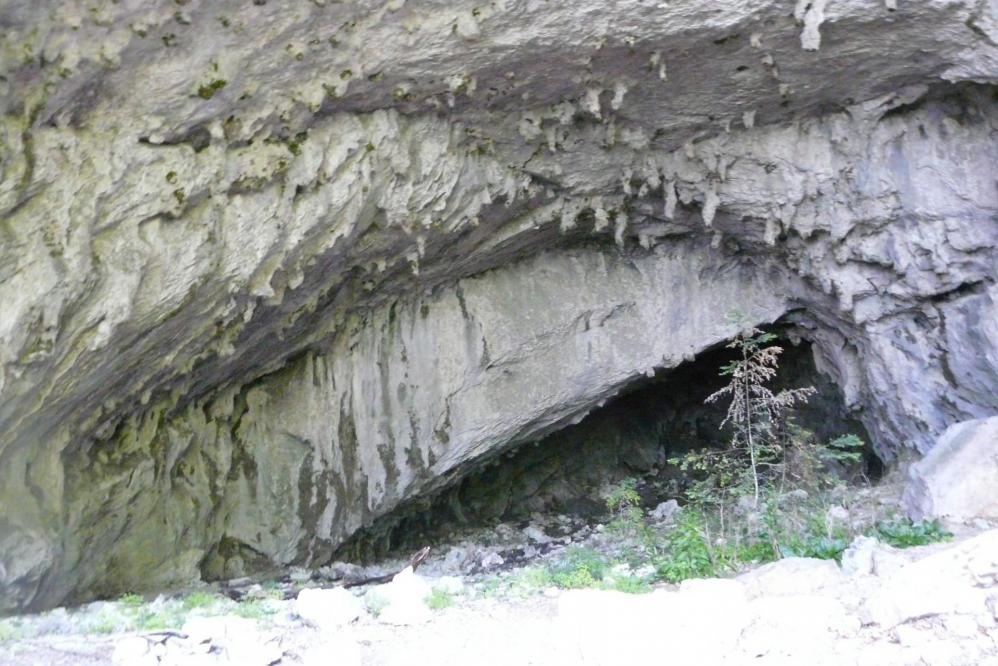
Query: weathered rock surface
column 268, row 269
column 957, row 480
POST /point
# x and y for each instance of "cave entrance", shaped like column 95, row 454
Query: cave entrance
column 633, row 435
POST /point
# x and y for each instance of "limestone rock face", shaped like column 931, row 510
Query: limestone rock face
column 268, row 269
column 957, row 479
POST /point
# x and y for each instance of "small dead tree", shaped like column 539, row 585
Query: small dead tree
column 756, row 413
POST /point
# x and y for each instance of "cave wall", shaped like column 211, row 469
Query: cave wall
column 634, row 435
column 410, row 394
column 210, row 212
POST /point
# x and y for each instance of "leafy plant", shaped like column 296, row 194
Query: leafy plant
column 686, row 551
column 903, row 533
column 818, row 546
column 623, row 503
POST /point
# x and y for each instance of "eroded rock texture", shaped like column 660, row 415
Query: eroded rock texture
column 267, row 269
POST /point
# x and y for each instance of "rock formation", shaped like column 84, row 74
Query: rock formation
column 268, row 269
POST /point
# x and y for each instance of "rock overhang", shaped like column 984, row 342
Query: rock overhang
column 235, row 208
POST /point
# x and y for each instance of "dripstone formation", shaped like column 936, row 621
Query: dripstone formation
column 270, row 269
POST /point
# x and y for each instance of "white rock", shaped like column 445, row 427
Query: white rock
column 665, row 510
column 329, row 608
column 867, row 556
column 404, row 599
column 792, row 576
column 340, row 649
column 958, row 477
column 133, row 651
column 798, row 628
column 963, row 626
column 938, row 584
column 210, row 629
column 236, row 640
column 535, row 534
column 604, row 627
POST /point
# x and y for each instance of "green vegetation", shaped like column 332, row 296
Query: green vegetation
column 208, row 90
column 623, row 503
column 579, row 567
column 131, row 600
column 902, row 533
column 439, row 599
column 159, row 619
column 767, row 494
column 255, row 609
column 199, row 600
column 685, row 553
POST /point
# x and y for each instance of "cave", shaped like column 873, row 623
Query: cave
column 634, row 434
column 274, row 283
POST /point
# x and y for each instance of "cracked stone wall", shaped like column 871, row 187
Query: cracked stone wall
column 264, row 260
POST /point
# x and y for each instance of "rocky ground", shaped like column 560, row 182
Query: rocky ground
column 488, row 598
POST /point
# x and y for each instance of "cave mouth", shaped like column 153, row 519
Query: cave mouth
column 633, row 435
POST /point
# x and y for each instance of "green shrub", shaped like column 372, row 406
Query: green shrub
column 754, row 551
column 623, row 503
column 580, row 567
column 686, row 551
column 903, row 533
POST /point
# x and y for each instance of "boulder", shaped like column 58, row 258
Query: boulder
column 867, row 556
column 133, row 651
column 797, row 628
column 954, row 580
column 665, row 511
column 233, row 640
column 792, row 576
column 402, row 601
column 958, row 479
column 328, row 609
